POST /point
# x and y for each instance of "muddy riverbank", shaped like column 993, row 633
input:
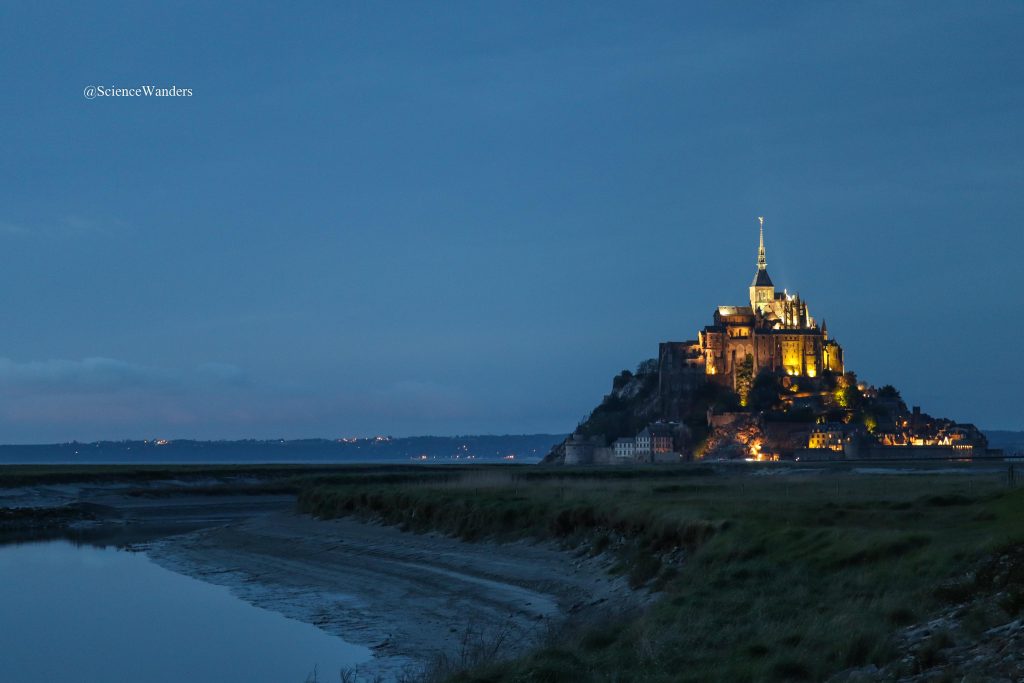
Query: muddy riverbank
column 411, row 597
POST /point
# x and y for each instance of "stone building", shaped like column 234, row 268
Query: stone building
column 775, row 332
column 680, row 373
column 830, row 435
column 580, row 450
column 625, row 448
column 661, row 438
column 643, row 445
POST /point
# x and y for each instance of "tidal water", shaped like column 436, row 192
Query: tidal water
column 96, row 615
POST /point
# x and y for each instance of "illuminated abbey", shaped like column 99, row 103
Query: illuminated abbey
column 762, row 382
column 775, row 332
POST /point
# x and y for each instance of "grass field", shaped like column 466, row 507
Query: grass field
column 776, row 572
column 791, row 576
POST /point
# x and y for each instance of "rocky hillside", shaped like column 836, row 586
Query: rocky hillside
column 769, row 415
column 634, row 402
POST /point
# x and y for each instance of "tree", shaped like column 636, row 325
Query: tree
column 621, row 380
column 847, row 393
column 764, row 395
column 888, row 391
column 726, row 402
column 647, row 367
column 745, row 378
column 854, row 399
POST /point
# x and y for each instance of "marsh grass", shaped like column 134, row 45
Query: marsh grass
column 790, row 577
column 793, row 576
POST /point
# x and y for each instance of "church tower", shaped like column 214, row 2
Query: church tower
column 762, row 291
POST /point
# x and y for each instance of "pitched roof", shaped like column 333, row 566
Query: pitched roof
column 761, row 279
column 735, row 310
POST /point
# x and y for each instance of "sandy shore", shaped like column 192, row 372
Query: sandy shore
column 407, row 596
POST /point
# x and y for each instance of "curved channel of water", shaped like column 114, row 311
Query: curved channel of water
column 88, row 614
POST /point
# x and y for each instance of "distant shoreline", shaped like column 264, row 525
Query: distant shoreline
column 373, row 450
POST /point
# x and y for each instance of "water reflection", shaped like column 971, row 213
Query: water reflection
column 87, row 614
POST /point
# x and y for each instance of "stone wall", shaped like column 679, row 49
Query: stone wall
column 680, row 373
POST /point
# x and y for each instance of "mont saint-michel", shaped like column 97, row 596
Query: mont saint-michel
column 312, row 361
column 763, row 381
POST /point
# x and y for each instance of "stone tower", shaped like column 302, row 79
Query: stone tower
column 762, row 291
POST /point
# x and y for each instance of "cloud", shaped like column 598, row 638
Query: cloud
column 109, row 374
column 221, row 373
column 78, row 225
column 66, row 226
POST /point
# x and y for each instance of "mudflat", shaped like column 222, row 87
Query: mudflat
column 409, row 596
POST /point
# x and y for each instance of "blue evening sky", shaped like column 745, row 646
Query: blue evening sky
column 447, row 218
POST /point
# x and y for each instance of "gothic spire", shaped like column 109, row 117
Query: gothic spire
column 762, row 262
column 761, row 278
